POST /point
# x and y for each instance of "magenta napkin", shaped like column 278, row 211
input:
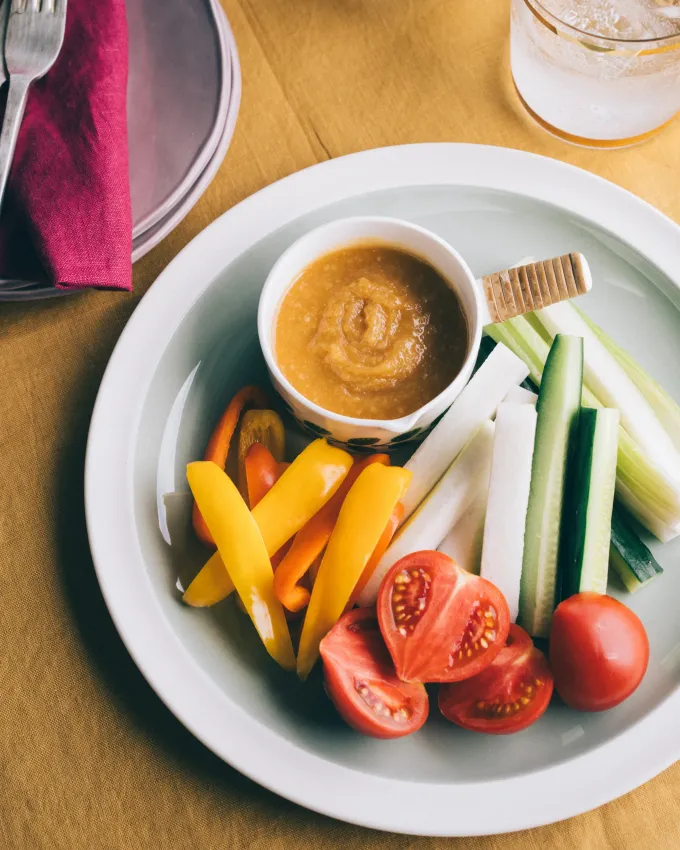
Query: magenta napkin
column 66, row 218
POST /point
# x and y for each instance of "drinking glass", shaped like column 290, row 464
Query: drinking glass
column 601, row 73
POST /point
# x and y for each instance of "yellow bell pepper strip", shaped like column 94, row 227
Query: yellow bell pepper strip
column 311, row 540
column 213, row 584
column 378, row 552
column 240, row 544
column 210, row 586
column 220, row 440
column 361, row 523
column 262, row 472
column 303, row 489
column 264, row 427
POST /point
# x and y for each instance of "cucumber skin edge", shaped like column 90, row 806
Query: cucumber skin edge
column 538, row 623
column 577, row 498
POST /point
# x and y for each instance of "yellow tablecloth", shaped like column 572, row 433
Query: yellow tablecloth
column 89, row 757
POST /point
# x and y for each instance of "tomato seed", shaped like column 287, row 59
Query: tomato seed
column 410, row 595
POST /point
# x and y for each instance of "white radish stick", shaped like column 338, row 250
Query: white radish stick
column 519, row 395
column 506, row 509
column 464, row 542
column 442, row 509
column 475, row 405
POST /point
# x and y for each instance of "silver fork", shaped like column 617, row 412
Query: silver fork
column 35, row 33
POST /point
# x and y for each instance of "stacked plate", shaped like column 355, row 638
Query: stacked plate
column 184, row 91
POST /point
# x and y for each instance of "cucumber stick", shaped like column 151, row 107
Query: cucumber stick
column 587, row 517
column 647, row 490
column 558, row 407
column 630, row 559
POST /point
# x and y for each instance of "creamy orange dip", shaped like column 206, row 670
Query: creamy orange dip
column 371, row 332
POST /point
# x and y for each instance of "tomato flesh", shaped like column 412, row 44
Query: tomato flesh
column 508, row 696
column 361, row 681
column 440, row 623
column 598, row 651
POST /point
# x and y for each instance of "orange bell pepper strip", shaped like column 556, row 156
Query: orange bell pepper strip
column 261, row 472
column 301, row 491
column 312, row 538
column 218, row 445
column 264, row 427
column 313, row 571
column 240, row 544
column 378, row 552
column 361, row 523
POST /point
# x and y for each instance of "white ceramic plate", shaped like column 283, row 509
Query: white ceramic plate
column 192, row 342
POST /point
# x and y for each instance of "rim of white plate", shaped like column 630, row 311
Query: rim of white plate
column 534, row 799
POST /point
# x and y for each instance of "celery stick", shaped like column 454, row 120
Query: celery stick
column 643, row 487
column 665, row 407
column 612, row 386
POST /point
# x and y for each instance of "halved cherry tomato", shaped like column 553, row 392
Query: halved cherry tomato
column 509, row 695
column 361, row 681
column 598, row 651
column 440, row 623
